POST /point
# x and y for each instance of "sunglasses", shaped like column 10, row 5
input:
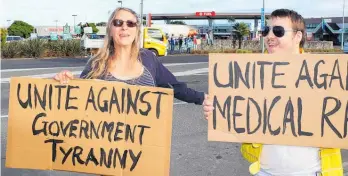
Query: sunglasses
column 119, row 23
column 278, row 31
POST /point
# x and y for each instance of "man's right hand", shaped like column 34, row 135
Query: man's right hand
column 64, row 77
column 207, row 107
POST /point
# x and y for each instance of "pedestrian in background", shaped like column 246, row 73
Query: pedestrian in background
column 189, row 45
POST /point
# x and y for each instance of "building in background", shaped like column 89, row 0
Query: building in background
column 44, row 31
column 220, row 31
column 326, row 29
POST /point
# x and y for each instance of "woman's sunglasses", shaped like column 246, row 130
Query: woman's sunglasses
column 119, row 23
column 278, row 31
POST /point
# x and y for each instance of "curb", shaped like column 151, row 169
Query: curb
column 180, row 55
column 44, row 58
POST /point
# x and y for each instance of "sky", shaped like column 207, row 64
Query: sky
column 45, row 12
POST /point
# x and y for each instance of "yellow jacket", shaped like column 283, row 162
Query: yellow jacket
column 331, row 160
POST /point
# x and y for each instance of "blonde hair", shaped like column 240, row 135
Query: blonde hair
column 100, row 62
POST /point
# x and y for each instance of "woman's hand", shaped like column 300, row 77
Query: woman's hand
column 64, row 77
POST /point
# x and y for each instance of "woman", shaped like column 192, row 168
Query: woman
column 121, row 60
column 189, row 45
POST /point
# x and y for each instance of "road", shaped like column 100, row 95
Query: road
column 191, row 153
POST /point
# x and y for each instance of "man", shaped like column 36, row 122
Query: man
column 285, row 34
column 172, row 44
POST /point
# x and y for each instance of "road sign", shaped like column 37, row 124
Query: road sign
column 87, row 30
column 206, row 13
column 262, row 18
column 67, row 37
column 66, row 29
column 54, row 36
column 77, row 29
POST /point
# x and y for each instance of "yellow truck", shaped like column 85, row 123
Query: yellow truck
column 154, row 39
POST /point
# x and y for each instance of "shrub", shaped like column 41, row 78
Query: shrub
column 63, row 48
column 11, row 50
column 52, row 49
column 70, row 48
column 3, row 34
column 243, row 51
column 33, row 48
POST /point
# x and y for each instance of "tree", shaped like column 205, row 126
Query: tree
column 94, row 27
column 20, row 28
column 177, row 22
column 240, row 30
column 101, row 24
column 3, row 36
column 232, row 20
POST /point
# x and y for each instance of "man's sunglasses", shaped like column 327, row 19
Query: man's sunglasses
column 278, row 31
column 119, row 23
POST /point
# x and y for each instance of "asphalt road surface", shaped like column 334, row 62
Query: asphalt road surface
column 191, row 153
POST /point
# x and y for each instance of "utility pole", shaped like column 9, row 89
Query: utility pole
column 343, row 30
column 263, row 25
column 74, row 19
column 141, row 23
column 74, row 23
column 56, row 26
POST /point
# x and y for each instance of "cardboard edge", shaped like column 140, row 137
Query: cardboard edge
column 9, row 143
column 214, row 135
column 169, row 133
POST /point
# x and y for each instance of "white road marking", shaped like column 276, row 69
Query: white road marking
column 180, row 103
column 177, row 64
column 51, row 75
column 28, row 69
column 48, row 75
column 191, row 72
column 201, row 73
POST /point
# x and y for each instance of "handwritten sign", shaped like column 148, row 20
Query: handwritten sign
column 89, row 126
column 297, row 100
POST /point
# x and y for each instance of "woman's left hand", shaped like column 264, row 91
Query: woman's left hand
column 207, row 106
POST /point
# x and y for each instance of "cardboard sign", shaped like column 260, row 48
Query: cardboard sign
column 299, row 100
column 89, row 126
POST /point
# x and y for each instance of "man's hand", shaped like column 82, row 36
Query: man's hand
column 207, row 106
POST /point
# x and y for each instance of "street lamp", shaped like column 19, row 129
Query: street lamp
column 342, row 41
column 141, row 11
column 56, row 25
column 74, row 22
column 8, row 23
column 120, row 3
column 141, row 22
column 74, row 19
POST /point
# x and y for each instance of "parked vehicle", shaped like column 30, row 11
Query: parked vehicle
column 13, row 38
column 153, row 39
